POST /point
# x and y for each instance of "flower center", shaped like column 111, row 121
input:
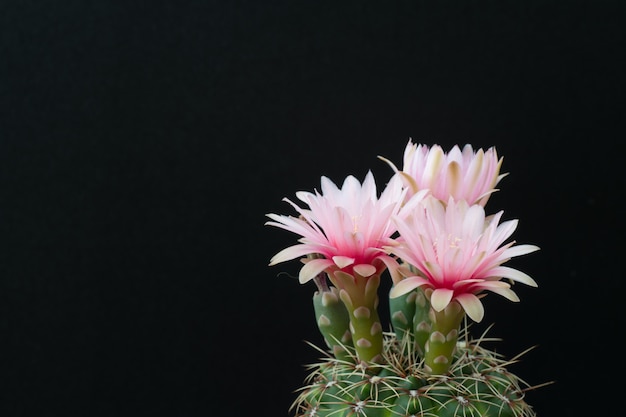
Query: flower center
column 453, row 241
column 355, row 223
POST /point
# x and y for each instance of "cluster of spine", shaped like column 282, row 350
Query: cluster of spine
column 473, row 380
column 478, row 384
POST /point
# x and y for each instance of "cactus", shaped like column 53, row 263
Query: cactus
column 429, row 231
column 477, row 384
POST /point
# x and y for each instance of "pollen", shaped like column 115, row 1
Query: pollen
column 453, row 242
column 355, row 224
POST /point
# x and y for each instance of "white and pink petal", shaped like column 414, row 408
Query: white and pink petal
column 406, row 285
column 312, row 268
column 472, row 305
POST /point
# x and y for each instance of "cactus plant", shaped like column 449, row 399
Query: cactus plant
column 428, row 231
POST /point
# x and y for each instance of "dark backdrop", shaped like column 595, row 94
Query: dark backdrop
column 142, row 144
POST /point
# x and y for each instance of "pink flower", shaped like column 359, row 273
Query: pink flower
column 459, row 254
column 348, row 226
column 465, row 175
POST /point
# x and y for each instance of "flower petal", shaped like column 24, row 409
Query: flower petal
column 290, row 253
column 519, row 250
column 312, row 268
column 467, row 174
column 392, row 267
column 514, row 274
column 472, row 306
column 343, row 261
column 507, row 293
column 440, row 298
column 365, row 270
column 407, row 285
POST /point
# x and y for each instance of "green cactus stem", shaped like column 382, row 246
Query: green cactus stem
column 410, row 318
column 360, row 297
column 333, row 321
column 402, row 310
column 422, row 325
column 441, row 343
column 478, row 384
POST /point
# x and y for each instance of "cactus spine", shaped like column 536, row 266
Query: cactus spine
column 427, row 366
column 477, row 384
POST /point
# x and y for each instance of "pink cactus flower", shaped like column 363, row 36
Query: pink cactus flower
column 463, row 174
column 459, row 253
column 348, row 226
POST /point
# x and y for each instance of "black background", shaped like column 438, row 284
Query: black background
column 142, row 144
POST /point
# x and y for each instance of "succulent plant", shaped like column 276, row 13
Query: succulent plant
column 428, row 231
column 477, row 384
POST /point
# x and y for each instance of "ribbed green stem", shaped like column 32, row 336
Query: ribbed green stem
column 402, row 310
column 422, row 325
column 366, row 330
column 443, row 337
column 333, row 321
column 359, row 295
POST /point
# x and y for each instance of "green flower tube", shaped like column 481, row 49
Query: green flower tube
column 442, row 340
column 360, row 297
column 333, row 321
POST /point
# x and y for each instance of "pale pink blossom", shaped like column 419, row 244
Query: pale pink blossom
column 462, row 174
column 347, row 226
column 459, row 253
